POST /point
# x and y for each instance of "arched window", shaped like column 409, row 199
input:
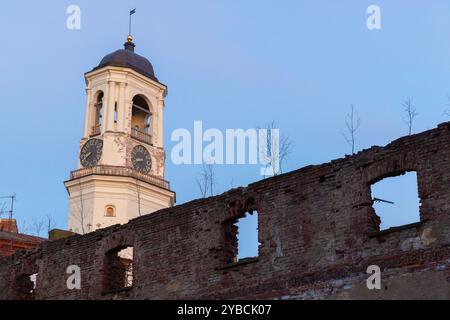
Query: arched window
column 141, row 120
column 98, row 109
column 110, row 211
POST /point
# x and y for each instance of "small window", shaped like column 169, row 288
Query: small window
column 115, row 112
column 247, row 235
column 241, row 237
column 110, row 211
column 396, row 200
column 118, row 269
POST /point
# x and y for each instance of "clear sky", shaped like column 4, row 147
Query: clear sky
column 231, row 64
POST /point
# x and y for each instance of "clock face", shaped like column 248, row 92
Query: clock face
column 91, row 152
column 141, row 159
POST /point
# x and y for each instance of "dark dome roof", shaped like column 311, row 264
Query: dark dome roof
column 126, row 58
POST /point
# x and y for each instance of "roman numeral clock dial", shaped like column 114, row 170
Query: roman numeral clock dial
column 91, row 152
column 141, row 159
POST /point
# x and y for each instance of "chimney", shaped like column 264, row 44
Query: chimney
column 8, row 225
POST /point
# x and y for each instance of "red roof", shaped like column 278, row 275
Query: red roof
column 10, row 242
column 11, row 236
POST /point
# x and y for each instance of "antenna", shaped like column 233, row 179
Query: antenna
column 10, row 212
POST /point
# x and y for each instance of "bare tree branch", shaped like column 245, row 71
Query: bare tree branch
column 411, row 113
column 2, row 209
column 286, row 148
column 283, row 145
column 23, row 227
column 206, row 180
column 202, row 183
column 138, row 190
column 352, row 124
column 50, row 223
column 212, row 178
column 80, row 216
column 37, row 227
column 232, row 183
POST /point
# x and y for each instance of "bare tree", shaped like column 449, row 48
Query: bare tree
column 37, row 227
column 22, row 227
column 410, row 113
column 138, row 190
column 206, row 180
column 2, row 208
column 212, row 178
column 80, row 216
column 352, row 124
column 278, row 147
column 231, row 183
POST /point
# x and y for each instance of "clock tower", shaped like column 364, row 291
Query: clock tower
column 120, row 173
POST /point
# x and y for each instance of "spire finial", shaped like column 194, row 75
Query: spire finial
column 129, row 45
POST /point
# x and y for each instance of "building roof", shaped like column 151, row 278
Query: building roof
column 11, row 236
column 127, row 58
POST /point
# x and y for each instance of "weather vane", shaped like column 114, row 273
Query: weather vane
column 130, row 37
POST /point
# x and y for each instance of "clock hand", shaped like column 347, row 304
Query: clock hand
column 87, row 156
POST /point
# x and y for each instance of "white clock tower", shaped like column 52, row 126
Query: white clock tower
column 120, row 173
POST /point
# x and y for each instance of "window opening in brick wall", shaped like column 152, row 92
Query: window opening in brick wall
column 26, row 286
column 118, row 273
column 396, row 201
column 242, row 237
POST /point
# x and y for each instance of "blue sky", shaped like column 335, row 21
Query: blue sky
column 230, row 64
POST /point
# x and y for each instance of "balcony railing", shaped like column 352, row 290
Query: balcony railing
column 95, row 130
column 141, row 136
column 121, row 172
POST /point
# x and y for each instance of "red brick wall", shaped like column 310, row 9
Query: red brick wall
column 317, row 230
column 8, row 247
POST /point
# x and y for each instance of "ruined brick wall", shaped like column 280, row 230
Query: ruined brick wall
column 318, row 233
